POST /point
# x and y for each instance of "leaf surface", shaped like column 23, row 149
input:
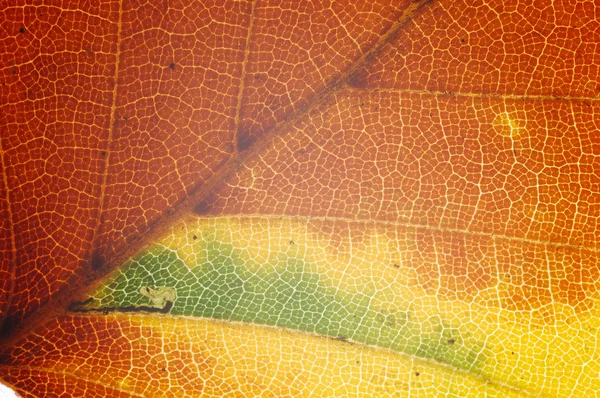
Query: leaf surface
column 340, row 198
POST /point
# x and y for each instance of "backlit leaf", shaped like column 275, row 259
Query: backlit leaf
column 314, row 198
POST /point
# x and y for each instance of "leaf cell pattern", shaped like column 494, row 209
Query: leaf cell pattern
column 323, row 198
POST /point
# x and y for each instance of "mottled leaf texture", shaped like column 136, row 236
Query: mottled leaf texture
column 300, row 198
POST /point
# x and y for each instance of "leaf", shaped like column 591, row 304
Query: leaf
column 313, row 199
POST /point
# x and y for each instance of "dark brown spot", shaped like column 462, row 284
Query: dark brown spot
column 97, row 261
column 417, row 374
column 451, row 341
column 396, row 266
column 202, row 208
column 245, row 141
column 22, row 30
column 194, row 237
column 9, row 325
column 172, row 65
column 292, row 242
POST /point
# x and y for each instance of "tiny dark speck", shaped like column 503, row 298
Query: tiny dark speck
column 417, row 374
column 163, row 369
column 22, row 30
column 451, row 341
column 172, row 65
column 103, row 153
column 194, row 237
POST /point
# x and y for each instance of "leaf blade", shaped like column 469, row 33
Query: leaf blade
column 493, row 194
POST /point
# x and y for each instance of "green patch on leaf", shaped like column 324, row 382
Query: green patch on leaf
column 284, row 293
